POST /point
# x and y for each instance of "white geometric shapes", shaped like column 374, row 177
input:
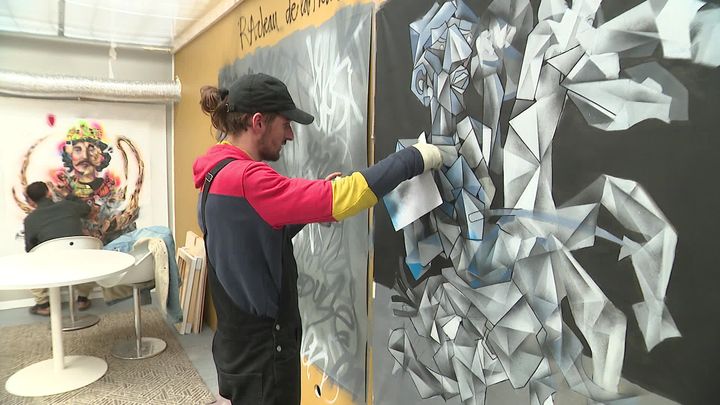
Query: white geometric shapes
column 492, row 104
column 652, row 258
column 542, row 386
column 629, row 247
column 493, row 371
column 496, row 314
column 396, row 345
column 460, row 304
column 461, row 254
column 673, row 27
column 577, row 225
column 551, row 10
column 517, row 13
column 655, row 325
column 455, row 175
column 538, row 41
column 486, row 183
column 486, row 60
column 450, row 327
column 457, row 49
column 470, row 132
column 514, row 340
column 631, row 34
column 565, row 61
column 419, row 34
column 470, row 215
column 464, row 14
column 420, row 84
column 449, row 95
column 586, row 9
column 429, row 248
column 426, row 381
column 412, row 233
column 493, row 300
column 653, row 265
column 442, row 120
column 565, row 31
column 670, row 86
column 438, row 39
column 535, row 278
column 525, row 125
column 623, row 102
column 521, row 168
column 448, row 229
column 600, row 322
column 705, row 30
column 592, row 68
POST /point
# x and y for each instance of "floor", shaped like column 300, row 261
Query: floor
column 197, row 346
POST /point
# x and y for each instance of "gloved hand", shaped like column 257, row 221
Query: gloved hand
column 430, row 155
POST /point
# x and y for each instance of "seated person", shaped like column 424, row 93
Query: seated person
column 51, row 220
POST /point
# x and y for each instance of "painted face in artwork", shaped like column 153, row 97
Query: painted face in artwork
column 277, row 132
column 85, row 157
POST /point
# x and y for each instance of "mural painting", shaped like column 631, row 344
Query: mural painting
column 326, row 70
column 553, row 271
column 84, row 153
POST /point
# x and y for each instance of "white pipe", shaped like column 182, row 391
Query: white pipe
column 55, row 86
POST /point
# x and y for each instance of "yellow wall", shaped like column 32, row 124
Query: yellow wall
column 198, row 64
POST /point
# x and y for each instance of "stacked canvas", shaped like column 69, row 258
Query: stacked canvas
column 193, row 276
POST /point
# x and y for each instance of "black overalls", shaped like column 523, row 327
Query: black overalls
column 257, row 358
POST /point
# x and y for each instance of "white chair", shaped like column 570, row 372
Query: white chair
column 73, row 321
column 141, row 272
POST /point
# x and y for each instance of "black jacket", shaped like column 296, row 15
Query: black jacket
column 52, row 220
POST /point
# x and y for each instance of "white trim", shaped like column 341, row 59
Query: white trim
column 203, row 23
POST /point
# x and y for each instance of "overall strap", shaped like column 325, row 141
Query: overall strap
column 206, row 190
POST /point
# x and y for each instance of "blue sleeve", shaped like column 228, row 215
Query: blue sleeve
column 386, row 174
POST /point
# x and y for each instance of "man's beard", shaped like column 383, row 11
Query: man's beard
column 266, row 150
column 269, row 155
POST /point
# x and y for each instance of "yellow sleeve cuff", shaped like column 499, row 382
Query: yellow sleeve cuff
column 351, row 195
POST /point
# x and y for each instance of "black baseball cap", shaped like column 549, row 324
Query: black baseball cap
column 258, row 92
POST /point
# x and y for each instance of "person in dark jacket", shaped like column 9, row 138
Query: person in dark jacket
column 249, row 214
column 51, row 220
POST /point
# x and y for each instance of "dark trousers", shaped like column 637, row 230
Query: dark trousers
column 258, row 369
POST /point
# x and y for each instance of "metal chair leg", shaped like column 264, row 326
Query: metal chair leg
column 75, row 321
column 140, row 347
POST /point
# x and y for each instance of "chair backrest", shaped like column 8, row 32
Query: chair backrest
column 69, row 242
column 143, row 270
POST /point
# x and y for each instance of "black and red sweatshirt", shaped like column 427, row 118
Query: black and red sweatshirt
column 250, row 204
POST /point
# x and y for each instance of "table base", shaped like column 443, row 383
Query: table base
column 80, row 322
column 41, row 379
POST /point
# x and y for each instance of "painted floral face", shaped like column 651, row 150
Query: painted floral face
column 86, row 157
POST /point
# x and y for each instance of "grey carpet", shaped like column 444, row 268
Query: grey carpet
column 168, row 378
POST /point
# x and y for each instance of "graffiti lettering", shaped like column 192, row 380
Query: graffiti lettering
column 257, row 26
column 304, row 8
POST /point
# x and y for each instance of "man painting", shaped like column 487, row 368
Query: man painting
column 51, row 220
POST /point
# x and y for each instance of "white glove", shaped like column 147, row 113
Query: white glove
column 430, row 155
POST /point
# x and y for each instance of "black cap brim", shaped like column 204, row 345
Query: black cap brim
column 299, row 116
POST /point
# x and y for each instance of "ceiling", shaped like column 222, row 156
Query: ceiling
column 139, row 22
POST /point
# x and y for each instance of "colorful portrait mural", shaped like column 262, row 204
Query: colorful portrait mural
column 552, row 271
column 94, row 152
column 85, row 155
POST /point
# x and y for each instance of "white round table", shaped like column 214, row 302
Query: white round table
column 42, row 270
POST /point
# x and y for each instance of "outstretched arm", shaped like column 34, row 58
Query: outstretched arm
column 283, row 201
